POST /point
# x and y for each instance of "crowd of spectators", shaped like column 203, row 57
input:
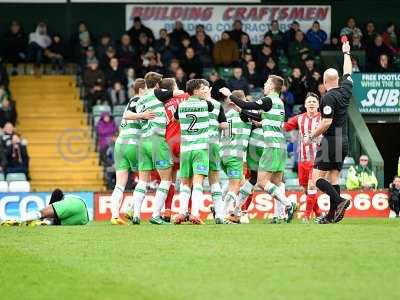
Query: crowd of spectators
column 13, row 152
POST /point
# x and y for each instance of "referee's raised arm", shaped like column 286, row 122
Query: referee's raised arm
column 347, row 65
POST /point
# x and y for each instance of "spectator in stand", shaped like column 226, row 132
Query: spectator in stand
column 8, row 112
column 288, row 100
column 254, row 78
column 299, row 50
column 384, row 65
column 312, row 75
column 4, row 80
column 102, row 48
column 390, row 38
column 126, row 53
column 203, row 49
column 191, row 65
column 15, row 43
column 109, row 162
column 351, row 29
column 245, row 46
column 356, row 67
column 290, row 34
column 185, row 43
column 237, row 32
column 3, row 160
column 356, row 42
column 181, row 79
column 271, row 68
column 17, row 157
column 334, row 44
column 114, row 73
column 80, row 49
column 263, row 57
column 394, row 196
column 137, row 29
column 268, row 41
column 94, row 82
column 81, row 36
column 165, row 47
column 216, row 83
column 8, row 131
column 105, row 129
column 275, row 33
column 56, row 53
column 116, row 94
column 130, row 81
column 178, row 34
column 316, row 37
column 3, row 93
column 247, row 57
column 39, row 41
column 376, row 51
column 226, row 52
column 297, row 87
column 370, row 35
column 208, row 39
column 173, row 66
column 90, row 56
column 361, row 176
column 143, row 46
column 238, row 82
column 154, row 63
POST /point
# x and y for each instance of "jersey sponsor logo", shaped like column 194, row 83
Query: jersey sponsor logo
column 162, row 163
column 201, row 168
column 327, row 110
column 233, row 173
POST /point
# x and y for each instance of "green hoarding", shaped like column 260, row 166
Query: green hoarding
column 377, row 93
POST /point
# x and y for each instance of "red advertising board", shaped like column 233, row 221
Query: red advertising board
column 363, row 204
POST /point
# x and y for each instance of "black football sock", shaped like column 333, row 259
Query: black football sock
column 337, row 188
column 328, row 189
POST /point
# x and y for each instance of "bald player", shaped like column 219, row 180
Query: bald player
column 334, row 145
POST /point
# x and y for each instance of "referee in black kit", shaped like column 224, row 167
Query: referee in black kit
column 334, row 144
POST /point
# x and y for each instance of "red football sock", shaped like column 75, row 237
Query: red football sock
column 170, row 196
column 247, row 203
column 309, row 205
column 316, row 209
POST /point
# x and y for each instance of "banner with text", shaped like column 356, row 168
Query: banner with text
column 377, row 93
column 15, row 205
column 363, row 204
column 256, row 19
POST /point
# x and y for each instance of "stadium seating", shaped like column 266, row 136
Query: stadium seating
column 118, row 110
column 62, row 153
column 19, row 186
column 3, row 187
column 16, row 177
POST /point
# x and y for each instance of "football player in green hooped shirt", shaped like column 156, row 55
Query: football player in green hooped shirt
column 272, row 161
column 63, row 209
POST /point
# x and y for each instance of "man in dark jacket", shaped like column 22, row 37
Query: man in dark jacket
column 15, row 42
column 237, row 32
column 139, row 28
column 191, row 65
column 17, row 157
column 94, row 82
column 394, row 196
column 8, row 112
column 238, row 82
column 216, row 83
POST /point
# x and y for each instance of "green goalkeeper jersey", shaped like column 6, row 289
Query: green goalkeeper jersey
column 156, row 126
column 194, row 121
column 129, row 132
column 236, row 138
column 272, row 123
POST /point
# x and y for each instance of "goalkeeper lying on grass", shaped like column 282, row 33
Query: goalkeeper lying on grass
column 62, row 210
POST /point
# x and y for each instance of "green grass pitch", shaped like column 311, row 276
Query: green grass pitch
column 357, row 259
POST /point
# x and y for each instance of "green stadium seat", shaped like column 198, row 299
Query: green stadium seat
column 2, row 177
column 292, row 183
column 117, row 120
column 118, row 110
column 297, row 109
column 256, row 94
column 96, row 120
column 99, row 109
column 225, row 73
column 289, row 174
column 16, row 177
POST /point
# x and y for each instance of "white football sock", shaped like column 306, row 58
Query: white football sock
column 31, row 216
column 245, row 191
column 228, row 200
column 138, row 197
column 197, row 198
column 216, row 196
column 279, row 207
column 225, row 189
column 161, row 195
column 184, row 196
column 116, row 198
column 274, row 191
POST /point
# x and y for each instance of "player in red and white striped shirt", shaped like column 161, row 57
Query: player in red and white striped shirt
column 306, row 123
column 173, row 137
